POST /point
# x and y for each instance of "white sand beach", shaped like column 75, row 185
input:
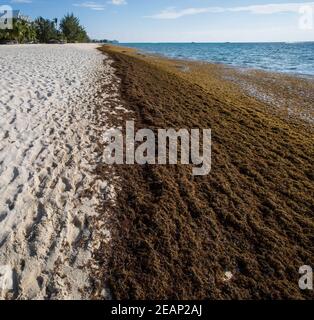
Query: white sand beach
column 48, row 126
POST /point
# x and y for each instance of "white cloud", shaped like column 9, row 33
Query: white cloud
column 94, row 5
column 21, row 1
column 172, row 13
column 90, row 5
column 118, row 2
column 272, row 8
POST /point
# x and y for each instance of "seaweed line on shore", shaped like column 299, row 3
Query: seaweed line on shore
column 175, row 236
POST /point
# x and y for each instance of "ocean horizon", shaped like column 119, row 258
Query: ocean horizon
column 286, row 57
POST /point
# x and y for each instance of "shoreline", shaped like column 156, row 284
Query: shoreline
column 224, row 64
column 252, row 82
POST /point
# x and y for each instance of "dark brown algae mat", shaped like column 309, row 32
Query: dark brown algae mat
column 174, row 236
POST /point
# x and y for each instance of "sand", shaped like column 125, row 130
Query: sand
column 48, row 129
column 242, row 232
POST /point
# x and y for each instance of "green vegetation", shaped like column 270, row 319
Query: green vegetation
column 72, row 30
column 22, row 32
column 44, row 31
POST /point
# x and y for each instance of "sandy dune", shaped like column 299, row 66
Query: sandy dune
column 48, row 127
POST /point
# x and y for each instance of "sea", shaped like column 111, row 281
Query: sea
column 293, row 58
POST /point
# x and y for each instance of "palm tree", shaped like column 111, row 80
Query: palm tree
column 31, row 34
column 19, row 30
column 45, row 30
column 4, row 34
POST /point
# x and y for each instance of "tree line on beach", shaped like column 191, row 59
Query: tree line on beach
column 44, row 30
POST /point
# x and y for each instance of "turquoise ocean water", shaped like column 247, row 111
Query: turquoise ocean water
column 295, row 58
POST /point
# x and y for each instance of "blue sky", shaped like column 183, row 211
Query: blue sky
column 182, row 20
